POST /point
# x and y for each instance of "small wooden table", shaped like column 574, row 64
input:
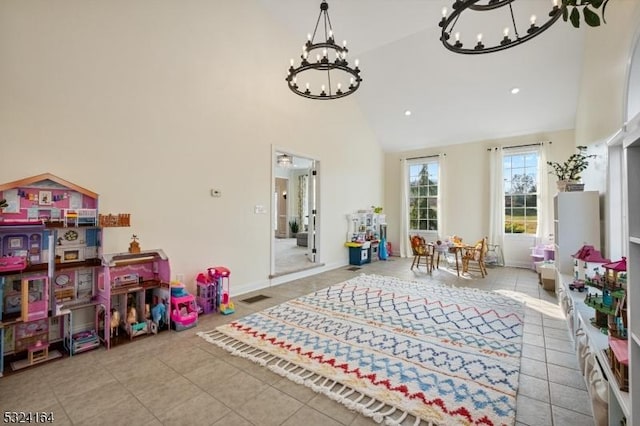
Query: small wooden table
column 38, row 352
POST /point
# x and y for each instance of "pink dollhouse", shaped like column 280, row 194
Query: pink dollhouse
column 49, row 252
column 128, row 283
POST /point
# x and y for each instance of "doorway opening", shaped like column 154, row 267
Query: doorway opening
column 295, row 213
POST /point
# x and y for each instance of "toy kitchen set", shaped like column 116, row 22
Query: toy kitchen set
column 366, row 236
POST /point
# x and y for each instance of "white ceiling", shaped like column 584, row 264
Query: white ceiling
column 453, row 98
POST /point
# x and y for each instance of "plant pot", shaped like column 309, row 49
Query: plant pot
column 569, row 186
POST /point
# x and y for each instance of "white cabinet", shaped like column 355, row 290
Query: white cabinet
column 610, row 405
column 632, row 154
column 576, row 223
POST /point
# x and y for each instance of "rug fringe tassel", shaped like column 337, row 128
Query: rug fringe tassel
column 378, row 411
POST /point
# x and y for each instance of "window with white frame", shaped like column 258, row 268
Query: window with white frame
column 520, row 173
column 423, row 194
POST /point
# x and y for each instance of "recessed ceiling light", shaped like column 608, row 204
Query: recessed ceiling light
column 515, row 90
column 407, row 113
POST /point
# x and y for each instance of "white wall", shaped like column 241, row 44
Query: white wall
column 466, row 199
column 603, row 104
column 153, row 103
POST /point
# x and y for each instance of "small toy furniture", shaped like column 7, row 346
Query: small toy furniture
column 135, row 329
column 38, row 352
column 12, row 263
column 84, row 341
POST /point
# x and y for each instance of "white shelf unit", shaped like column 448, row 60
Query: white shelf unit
column 589, row 339
column 632, row 156
column 576, row 222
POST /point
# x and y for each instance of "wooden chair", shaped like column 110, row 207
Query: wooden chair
column 473, row 257
column 421, row 251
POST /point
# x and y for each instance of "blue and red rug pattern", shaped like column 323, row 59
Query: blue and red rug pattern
column 400, row 352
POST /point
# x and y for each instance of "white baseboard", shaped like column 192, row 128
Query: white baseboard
column 259, row 285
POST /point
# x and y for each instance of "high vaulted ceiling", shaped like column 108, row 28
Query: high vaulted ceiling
column 453, row 98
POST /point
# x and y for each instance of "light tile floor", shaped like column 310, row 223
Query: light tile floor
column 176, row 378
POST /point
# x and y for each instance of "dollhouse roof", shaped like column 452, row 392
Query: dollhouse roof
column 590, row 254
column 618, row 265
column 44, row 177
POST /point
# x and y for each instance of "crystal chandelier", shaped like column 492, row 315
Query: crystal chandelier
column 324, row 65
column 284, row 160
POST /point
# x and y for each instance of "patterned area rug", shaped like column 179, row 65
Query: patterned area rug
column 400, row 352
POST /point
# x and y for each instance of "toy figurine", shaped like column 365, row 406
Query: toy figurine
column 115, row 321
column 132, row 315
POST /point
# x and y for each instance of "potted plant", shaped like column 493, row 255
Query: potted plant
column 293, row 228
column 568, row 173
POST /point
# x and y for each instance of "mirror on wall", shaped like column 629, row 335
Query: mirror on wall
column 295, row 214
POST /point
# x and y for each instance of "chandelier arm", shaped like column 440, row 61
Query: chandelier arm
column 515, row 27
column 316, row 27
column 446, row 22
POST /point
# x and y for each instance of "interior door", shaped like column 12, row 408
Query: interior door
column 280, row 195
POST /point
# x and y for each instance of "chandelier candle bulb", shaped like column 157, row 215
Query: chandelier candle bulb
column 457, row 36
column 505, row 32
column 344, row 43
column 479, row 37
column 444, row 12
column 533, row 19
